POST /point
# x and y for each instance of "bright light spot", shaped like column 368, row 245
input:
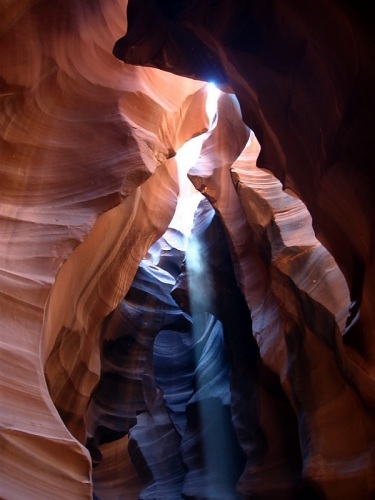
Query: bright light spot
column 188, row 154
column 189, row 197
column 211, row 104
column 186, row 157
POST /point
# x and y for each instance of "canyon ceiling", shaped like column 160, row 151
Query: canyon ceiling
column 138, row 360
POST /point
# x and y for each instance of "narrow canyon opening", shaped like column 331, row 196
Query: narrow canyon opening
column 169, row 378
column 186, row 424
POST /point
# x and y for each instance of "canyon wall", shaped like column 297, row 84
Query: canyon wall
column 141, row 362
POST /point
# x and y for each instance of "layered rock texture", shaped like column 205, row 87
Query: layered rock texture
column 142, row 359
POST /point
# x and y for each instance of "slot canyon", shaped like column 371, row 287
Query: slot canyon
column 187, row 252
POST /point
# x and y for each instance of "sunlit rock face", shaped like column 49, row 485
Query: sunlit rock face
column 137, row 360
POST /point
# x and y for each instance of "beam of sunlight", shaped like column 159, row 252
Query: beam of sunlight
column 211, row 379
column 215, row 435
column 211, row 387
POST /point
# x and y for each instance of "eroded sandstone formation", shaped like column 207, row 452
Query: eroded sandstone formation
column 138, row 361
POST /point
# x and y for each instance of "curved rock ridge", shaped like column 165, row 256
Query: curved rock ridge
column 127, row 347
column 303, row 76
column 70, row 152
column 294, row 317
column 115, row 476
column 126, row 398
column 113, row 249
column 282, row 229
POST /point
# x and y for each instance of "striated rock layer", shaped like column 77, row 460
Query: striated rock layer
column 74, row 147
column 138, row 362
